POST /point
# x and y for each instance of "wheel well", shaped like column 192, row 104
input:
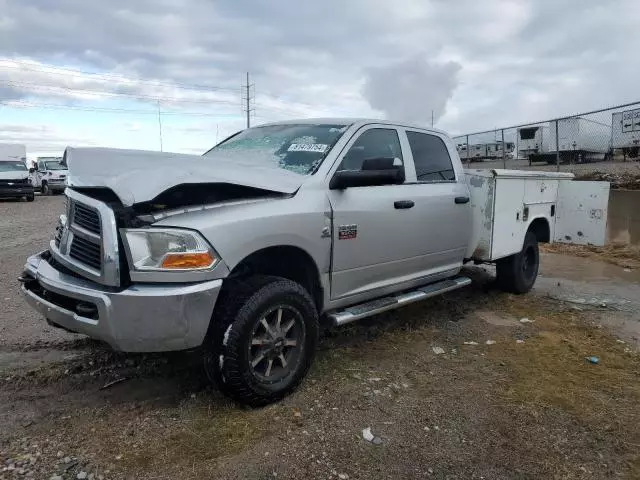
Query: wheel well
column 540, row 228
column 288, row 262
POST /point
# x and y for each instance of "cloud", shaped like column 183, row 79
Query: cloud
column 481, row 64
column 412, row 89
column 44, row 139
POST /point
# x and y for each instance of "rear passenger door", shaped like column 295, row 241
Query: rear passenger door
column 442, row 205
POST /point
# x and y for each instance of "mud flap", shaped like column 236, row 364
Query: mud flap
column 581, row 212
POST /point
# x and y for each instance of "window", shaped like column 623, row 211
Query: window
column 373, row 143
column 12, row 166
column 431, row 158
column 299, row 148
column 54, row 165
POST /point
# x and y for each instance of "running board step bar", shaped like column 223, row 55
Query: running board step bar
column 373, row 307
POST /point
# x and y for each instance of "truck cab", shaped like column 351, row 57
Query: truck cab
column 50, row 175
column 15, row 179
column 244, row 251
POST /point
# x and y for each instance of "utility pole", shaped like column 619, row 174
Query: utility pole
column 160, row 125
column 246, row 97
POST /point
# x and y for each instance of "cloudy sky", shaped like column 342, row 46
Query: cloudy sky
column 88, row 72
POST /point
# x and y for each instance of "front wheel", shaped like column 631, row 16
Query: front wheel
column 518, row 273
column 264, row 340
column 45, row 189
column 30, row 198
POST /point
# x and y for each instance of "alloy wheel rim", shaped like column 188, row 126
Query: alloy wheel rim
column 276, row 344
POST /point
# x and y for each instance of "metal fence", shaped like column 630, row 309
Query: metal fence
column 606, row 136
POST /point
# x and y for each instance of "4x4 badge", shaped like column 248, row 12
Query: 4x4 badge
column 347, row 232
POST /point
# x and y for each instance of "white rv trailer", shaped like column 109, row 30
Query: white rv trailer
column 494, row 150
column 626, row 132
column 475, row 152
column 485, row 151
column 478, row 151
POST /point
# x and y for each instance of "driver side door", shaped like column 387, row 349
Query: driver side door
column 372, row 240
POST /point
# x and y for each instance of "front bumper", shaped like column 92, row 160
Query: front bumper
column 17, row 190
column 141, row 318
column 58, row 186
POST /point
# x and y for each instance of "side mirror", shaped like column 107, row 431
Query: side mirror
column 375, row 172
column 31, row 170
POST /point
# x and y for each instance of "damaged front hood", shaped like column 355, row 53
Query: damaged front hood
column 137, row 176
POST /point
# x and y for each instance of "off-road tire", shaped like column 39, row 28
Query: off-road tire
column 241, row 305
column 517, row 273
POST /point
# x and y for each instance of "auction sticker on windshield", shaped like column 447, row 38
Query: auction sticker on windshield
column 308, row 147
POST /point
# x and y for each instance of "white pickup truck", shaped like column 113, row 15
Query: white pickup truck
column 245, row 250
column 50, row 175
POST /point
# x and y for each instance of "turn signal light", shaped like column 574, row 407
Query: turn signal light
column 187, row 260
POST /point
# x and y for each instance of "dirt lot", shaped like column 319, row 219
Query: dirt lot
column 527, row 406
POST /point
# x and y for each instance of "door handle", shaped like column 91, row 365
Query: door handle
column 403, row 204
column 462, row 200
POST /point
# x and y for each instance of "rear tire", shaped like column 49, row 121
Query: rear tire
column 518, row 273
column 263, row 339
column 31, row 198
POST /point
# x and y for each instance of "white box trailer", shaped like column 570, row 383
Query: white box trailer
column 13, row 151
column 626, row 132
column 580, row 140
column 506, row 203
column 533, row 140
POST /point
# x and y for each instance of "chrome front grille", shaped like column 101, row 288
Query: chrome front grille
column 87, row 252
column 86, row 217
column 86, row 239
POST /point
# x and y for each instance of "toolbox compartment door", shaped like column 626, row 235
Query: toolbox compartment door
column 581, row 212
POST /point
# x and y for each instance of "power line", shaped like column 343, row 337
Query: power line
column 24, row 104
column 87, row 75
column 111, row 94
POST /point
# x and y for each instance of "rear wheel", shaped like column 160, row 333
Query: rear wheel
column 31, row 198
column 263, row 340
column 518, row 273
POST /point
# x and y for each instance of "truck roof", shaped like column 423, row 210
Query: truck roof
column 353, row 121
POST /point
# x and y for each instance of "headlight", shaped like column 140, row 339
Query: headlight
column 168, row 249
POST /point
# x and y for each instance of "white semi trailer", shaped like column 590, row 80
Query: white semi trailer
column 533, row 141
column 626, row 132
column 580, row 140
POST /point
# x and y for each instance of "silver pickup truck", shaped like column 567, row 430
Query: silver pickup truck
column 245, row 250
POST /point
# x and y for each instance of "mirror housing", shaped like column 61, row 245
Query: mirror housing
column 31, row 170
column 375, row 172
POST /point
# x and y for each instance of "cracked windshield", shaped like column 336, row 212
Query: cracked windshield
column 296, row 148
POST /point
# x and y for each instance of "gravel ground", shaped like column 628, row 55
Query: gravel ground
column 455, row 387
column 25, row 228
